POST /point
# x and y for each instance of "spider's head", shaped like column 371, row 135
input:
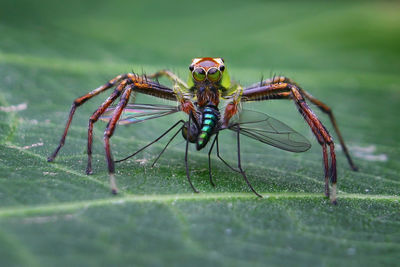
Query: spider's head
column 208, row 70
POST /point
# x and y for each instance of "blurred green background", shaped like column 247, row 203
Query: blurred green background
column 344, row 53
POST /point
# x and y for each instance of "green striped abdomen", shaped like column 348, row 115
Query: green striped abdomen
column 209, row 122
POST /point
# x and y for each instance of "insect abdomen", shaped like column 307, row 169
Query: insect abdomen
column 209, row 122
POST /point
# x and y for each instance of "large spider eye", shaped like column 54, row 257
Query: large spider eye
column 213, row 74
column 199, row 74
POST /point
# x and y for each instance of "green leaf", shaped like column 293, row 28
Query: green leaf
column 53, row 214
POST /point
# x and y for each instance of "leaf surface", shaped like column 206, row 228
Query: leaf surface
column 345, row 54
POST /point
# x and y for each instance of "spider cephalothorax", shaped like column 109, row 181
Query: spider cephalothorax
column 208, row 83
column 207, row 79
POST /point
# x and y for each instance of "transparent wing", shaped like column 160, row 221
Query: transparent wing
column 135, row 113
column 268, row 130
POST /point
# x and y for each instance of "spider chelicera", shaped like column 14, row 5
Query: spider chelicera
column 208, row 83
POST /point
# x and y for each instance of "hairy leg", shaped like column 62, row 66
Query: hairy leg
column 78, row 102
column 93, row 119
column 109, row 132
column 284, row 90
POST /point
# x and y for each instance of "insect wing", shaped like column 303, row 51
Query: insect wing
column 261, row 127
column 135, row 113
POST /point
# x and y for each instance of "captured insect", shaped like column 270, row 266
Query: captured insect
column 199, row 99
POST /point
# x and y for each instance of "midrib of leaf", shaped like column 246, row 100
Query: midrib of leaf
column 168, row 198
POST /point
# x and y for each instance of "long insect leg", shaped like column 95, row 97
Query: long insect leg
column 149, row 144
column 78, row 102
column 240, row 165
column 109, row 132
column 165, row 147
column 186, row 156
column 209, row 160
column 93, row 119
column 226, row 163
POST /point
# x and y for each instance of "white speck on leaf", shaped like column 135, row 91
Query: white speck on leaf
column 351, row 251
column 14, row 108
column 142, row 161
column 119, row 201
column 33, row 145
column 47, row 219
column 368, row 153
column 49, row 173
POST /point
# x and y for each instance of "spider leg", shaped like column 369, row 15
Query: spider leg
column 131, row 84
column 322, row 142
column 328, row 111
column 93, row 119
column 79, row 101
column 283, row 90
column 326, row 168
column 186, row 157
column 322, row 106
column 170, row 75
column 109, row 132
column 240, row 165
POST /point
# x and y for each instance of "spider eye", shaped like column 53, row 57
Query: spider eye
column 221, row 68
column 214, row 74
column 199, row 74
column 191, row 67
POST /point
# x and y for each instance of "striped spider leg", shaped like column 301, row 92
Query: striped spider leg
column 284, row 88
column 126, row 85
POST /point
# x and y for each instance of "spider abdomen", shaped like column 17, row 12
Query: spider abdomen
column 209, row 123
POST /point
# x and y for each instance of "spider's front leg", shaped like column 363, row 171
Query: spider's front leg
column 285, row 90
column 128, row 84
column 181, row 90
column 171, row 76
column 141, row 85
column 109, row 132
column 78, row 102
column 322, row 106
column 96, row 115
